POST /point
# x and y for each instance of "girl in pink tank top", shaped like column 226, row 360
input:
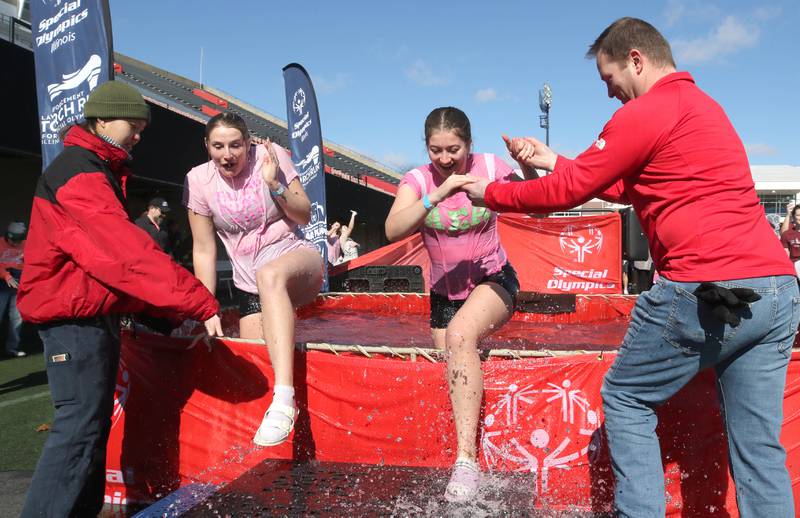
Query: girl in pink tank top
column 473, row 287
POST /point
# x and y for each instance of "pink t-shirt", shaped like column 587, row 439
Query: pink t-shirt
column 461, row 240
column 334, row 249
column 250, row 224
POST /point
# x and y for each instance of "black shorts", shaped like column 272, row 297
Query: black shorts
column 443, row 309
column 249, row 303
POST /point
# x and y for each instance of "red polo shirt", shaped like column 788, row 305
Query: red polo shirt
column 791, row 241
column 674, row 155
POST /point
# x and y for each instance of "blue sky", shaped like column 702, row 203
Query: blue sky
column 380, row 67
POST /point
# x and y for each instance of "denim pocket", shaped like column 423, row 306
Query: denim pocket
column 62, row 372
column 785, row 346
column 692, row 327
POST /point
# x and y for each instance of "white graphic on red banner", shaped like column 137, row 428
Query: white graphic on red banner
column 121, row 392
column 523, row 435
column 580, row 241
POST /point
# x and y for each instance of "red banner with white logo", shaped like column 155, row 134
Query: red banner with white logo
column 565, row 255
column 187, row 415
column 550, row 255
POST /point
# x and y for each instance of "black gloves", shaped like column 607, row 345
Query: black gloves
column 723, row 300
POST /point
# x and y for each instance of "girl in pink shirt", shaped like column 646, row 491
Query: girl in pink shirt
column 473, row 287
column 253, row 199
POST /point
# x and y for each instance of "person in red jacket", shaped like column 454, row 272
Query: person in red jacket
column 85, row 263
column 11, row 253
column 726, row 296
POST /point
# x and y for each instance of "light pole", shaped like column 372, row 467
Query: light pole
column 545, row 101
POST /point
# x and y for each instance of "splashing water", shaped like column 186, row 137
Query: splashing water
column 286, row 488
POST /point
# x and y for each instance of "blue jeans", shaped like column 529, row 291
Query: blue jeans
column 82, row 357
column 8, row 306
column 670, row 339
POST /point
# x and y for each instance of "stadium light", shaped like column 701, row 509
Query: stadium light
column 545, row 101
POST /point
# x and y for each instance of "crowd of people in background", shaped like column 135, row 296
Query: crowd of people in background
column 341, row 247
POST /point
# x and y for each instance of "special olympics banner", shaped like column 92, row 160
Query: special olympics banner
column 72, row 48
column 565, row 255
column 305, row 136
column 551, row 255
column 187, row 415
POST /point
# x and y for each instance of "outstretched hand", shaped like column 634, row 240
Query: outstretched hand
column 453, row 183
column 531, row 152
column 269, row 168
column 476, row 191
column 520, row 149
column 213, row 326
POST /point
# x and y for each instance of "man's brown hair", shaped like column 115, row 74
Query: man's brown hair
column 632, row 33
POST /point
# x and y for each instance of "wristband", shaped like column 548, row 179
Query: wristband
column 279, row 192
column 426, row 202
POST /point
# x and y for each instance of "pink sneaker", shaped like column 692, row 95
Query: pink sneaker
column 464, row 482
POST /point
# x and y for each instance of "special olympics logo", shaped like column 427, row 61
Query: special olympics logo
column 90, row 72
column 121, row 392
column 525, row 437
column 299, row 101
column 317, row 213
column 580, row 241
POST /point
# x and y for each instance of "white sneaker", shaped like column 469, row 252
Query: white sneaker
column 277, row 424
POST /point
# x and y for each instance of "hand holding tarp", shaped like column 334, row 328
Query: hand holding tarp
column 202, row 337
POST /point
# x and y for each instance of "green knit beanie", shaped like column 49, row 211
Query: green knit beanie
column 116, row 100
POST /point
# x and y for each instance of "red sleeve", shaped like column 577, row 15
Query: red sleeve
column 106, row 245
column 615, row 194
column 785, row 239
column 623, row 148
column 4, row 273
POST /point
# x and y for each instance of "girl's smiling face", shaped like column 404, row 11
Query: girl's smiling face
column 448, row 152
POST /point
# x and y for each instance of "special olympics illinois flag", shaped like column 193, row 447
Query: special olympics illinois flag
column 305, row 137
column 564, row 255
column 72, row 49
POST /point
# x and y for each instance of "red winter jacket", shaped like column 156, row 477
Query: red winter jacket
column 84, row 257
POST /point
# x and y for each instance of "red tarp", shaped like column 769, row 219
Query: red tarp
column 551, row 255
column 185, row 416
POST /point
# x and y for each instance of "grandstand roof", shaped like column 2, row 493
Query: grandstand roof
column 201, row 102
column 778, row 178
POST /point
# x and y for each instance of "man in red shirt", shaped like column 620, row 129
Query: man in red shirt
column 672, row 153
column 791, row 239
